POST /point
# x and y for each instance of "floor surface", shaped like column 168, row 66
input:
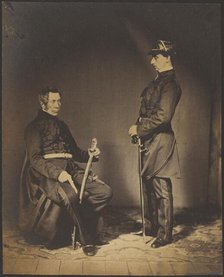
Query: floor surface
column 196, row 250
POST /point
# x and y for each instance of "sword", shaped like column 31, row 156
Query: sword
column 141, row 187
column 92, row 149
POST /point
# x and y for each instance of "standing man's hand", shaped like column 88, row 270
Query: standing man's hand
column 95, row 153
column 66, row 177
column 133, row 134
column 133, row 131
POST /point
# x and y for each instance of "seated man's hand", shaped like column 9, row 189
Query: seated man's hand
column 64, row 176
column 95, row 153
column 133, row 131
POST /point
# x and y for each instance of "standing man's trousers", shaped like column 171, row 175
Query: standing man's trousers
column 159, row 207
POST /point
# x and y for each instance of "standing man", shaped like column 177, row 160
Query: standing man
column 159, row 156
column 51, row 175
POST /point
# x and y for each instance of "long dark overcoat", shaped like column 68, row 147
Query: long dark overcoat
column 37, row 213
column 158, row 104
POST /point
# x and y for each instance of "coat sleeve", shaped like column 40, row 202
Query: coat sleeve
column 35, row 155
column 166, row 108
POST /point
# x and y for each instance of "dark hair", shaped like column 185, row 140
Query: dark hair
column 172, row 56
column 43, row 95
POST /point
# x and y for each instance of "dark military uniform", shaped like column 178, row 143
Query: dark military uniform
column 43, row 199
column 159, row 158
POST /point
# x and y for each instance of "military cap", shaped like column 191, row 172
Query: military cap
column 162, row 47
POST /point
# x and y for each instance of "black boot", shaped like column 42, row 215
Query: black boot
column 89, row 250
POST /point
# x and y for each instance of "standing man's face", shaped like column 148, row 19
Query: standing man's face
column 54, row 103
column 160, row 62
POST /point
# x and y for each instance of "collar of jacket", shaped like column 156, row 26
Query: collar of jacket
column 43, row 114
column 168, row 73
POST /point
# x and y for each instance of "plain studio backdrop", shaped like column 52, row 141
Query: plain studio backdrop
column 96, row 54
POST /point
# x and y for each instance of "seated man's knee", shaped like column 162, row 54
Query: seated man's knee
column 108, row 192
column 102, row 192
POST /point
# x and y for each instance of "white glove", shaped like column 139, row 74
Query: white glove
column 64, row 176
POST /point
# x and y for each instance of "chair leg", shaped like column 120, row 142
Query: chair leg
column 75, row 243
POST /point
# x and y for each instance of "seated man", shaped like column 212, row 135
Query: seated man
column 51, row 178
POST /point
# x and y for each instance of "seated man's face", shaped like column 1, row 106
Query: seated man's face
column 54, row 103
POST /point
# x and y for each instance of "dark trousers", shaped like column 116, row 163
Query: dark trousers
column 85, row 216
column 159, row 207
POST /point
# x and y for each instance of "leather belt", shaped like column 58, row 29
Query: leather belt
column 58, row 156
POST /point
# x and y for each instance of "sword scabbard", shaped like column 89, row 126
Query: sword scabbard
column 86, row 174
column 141, row 186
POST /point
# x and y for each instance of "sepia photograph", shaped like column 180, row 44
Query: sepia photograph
column 111, row 138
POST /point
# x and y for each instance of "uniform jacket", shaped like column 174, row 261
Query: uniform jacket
column 45, row 134
column 158, row 103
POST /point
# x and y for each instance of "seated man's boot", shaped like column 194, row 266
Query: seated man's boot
column 89, row 250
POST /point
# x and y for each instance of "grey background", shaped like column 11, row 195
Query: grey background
column 96, row 53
